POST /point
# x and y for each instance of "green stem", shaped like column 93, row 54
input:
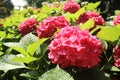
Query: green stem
column 109, row 60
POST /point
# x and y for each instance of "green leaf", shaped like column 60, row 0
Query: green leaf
column 109, row 33
column 28, row 39
column 79, row 12
column 92, row 6
column 31, row 74
column 69, row 16
column 2, row 34
column 105, row 44
column 6, row 63
column 115, row 69
column 41, row 16
column 87, row 25
column 56, row 74
column 112, row 68
column 16, row 47
column 33, row 47
column 46, row 9
column 1, row 53
column 27, row 59
column 75, row 16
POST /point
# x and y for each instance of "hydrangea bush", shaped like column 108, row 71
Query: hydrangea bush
column 67, row 42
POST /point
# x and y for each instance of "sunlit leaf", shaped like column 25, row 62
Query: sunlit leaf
column 92, row 6
column 2, row 34
column 56, row 74
column 28, row 39
column 6, row 63
column 87, row 25
column 75, row 16
column 16, row 47
column 79, row 12
column 25, row 59
column 33, row 47
column 109, row 33
column 1, row 53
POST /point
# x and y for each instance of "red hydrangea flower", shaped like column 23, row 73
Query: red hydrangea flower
column 71, row 7
column 49, row 26
column 28, row 26
column 74, row 47
column 117, row 57
column 117, row 20
column 117, row 63
column 117, row 53
column 89, row 15
column 61, row 22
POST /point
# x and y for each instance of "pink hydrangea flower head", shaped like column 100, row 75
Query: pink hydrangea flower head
column 117, row 57
column 117, row 20
column 74, row 47
column 117, row 63
column 49, row 26
column 71, row 7
column 89, row 15
column 28, row 26
column 117, row 53
column 61, row 22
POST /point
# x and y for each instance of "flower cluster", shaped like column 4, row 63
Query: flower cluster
column 89, row 15
column 71, row 7
column 28, row 26
column 49, row 26
column 117, row 58
column 117, row 20
column 74, row 47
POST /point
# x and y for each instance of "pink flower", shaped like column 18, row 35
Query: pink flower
column 117, row 57
column 117, row 20
column 117, row 54
column 28, row 26
column 49, row 26
column 89, row 15
column 71, row 7
column 117, row 63
column 61, row 22
column 74, row 47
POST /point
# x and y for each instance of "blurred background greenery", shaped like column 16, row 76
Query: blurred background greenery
column 107, row 7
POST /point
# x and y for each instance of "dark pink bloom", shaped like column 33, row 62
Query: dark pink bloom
column 74, row 47
column 61, row 22
column 71, row 7
column 28, row 26
column 49, row 26
column 117, row 20
column 117, row 57
column 117, row 63
column 89, row 15
column 117, row 54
